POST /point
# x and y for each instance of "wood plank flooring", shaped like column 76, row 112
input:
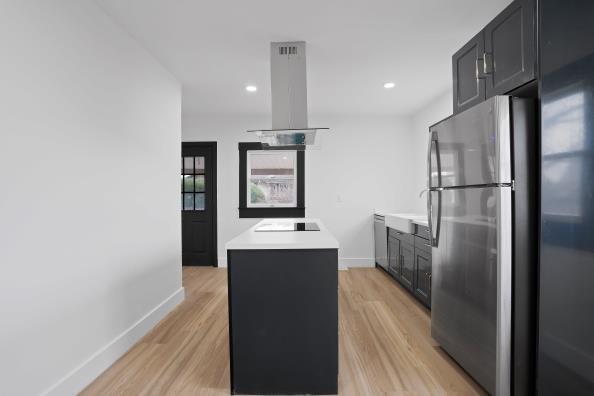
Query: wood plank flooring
column 385, row 344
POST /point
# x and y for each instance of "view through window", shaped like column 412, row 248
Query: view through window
column 272, row 178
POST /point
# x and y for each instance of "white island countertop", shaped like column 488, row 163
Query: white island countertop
column 252, row 239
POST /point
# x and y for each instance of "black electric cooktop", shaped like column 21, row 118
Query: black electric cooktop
column 288, row 227
column 306, row 227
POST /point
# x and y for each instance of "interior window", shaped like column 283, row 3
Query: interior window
column 271, row 182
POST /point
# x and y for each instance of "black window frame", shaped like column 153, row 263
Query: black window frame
column 251, row 212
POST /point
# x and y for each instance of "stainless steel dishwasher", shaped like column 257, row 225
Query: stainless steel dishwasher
column 381, row 241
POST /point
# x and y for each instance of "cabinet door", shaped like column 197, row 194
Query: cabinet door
column 394, row 257
column 422, row 281
column 469, row 89
column 407, row 265
column 510, row 48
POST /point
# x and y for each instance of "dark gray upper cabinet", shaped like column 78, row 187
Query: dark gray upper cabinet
column 510, row 48
column 499, row 59
column 469, row 89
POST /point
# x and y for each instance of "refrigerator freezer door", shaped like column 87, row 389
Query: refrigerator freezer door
column 471, row 283
column 472, row 147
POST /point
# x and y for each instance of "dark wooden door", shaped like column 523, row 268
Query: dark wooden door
column 422, row 280
column 469, row 84
column 199, row 203
column 407, row 265
column 510, row 48
column 394, row 256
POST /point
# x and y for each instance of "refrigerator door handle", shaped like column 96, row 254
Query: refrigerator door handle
column 434, row 228
column 433, row 148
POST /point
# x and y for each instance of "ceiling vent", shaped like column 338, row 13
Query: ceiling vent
column 289, row 100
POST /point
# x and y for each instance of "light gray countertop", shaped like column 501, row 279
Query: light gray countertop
column 417, row 218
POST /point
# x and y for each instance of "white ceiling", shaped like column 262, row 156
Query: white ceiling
column 216, row 47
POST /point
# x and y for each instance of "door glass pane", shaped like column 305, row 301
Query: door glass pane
column 199, row 165
column 188, row 183
column 199, row 183
column 188, row 201
column 189, row 165
column 199, row 201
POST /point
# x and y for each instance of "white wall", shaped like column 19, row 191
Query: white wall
column 89, row 207
column 434, row 111
column 364, row 163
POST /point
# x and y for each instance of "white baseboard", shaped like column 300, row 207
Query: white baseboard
column 357, row 262
column 343, row 263
column 223, row 262
column 77, row 379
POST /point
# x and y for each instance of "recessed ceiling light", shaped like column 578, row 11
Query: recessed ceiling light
column 251, row 88
column 389, row 85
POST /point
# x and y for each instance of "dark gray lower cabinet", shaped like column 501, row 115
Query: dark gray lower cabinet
column 423, row 276
column 394, row 256
column 409, row 259
column 407, row 265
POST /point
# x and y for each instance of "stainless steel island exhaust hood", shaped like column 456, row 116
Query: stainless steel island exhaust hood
column 289, row 100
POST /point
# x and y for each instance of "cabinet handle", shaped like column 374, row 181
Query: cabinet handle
column 479, row 67
column 428, row 245
column 488, row 65
column 484, row 66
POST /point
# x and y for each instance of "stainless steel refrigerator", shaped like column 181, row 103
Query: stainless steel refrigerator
column 472, row 206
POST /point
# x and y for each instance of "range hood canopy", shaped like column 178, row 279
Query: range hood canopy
column 289, row 100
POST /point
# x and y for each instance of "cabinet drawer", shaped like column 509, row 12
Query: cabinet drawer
column 404, row 237
column 423, row 244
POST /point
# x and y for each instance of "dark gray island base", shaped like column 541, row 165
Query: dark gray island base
column 283, row 321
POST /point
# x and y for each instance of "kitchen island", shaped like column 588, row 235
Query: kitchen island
column 283, row 308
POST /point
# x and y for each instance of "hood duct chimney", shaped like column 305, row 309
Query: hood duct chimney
column 289, row 99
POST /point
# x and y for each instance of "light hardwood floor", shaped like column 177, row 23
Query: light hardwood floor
column 385, row 344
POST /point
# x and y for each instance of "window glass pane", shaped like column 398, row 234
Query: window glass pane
column 199, row 201
column 199, row 183
column 199, row 165
column 272, row 178
column 188, row 183
column 188, row 164
column 188, row 201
